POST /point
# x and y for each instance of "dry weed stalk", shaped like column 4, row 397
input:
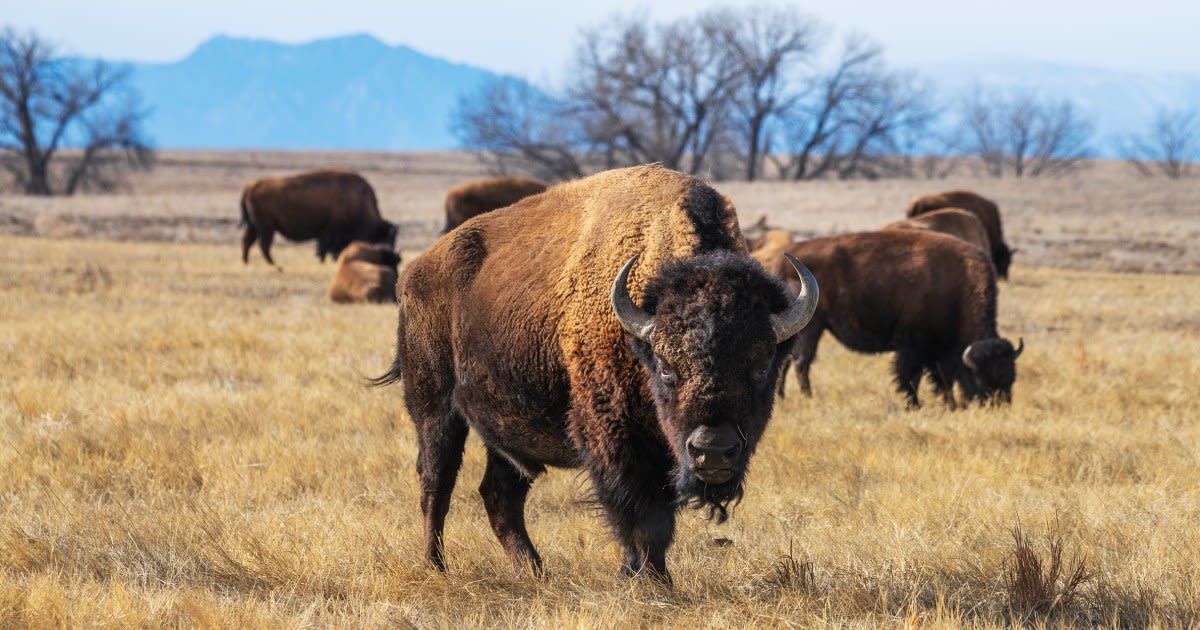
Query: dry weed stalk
column 1042, row 588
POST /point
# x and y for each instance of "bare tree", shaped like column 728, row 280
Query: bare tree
column 1170, row 145
column 653, row 94
column 513, row 125
column 48, row 102
column 1023, row 135
column 765, row 44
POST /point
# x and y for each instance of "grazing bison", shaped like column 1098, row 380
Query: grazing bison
column 476, row 197
column 332, row 206
column 953, row 221
column 524, row 326
column 929, row 297
column 981, row 207
column 366, row 272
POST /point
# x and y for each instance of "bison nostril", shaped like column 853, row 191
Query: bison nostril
column 692, row 451
column 732, row 452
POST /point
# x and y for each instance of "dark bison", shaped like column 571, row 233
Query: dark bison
column 476, row 197
column 985, row 209
column 333, row 206
column 524, row 326
column 366, row 272
column 929, row 297
column 953, row 221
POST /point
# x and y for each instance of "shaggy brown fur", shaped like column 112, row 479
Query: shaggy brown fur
column 953, row 221
column 476, row 197
column 924, row 295
column 366, row 272
column 332, row 206
column 985, row 209
column 506, row 327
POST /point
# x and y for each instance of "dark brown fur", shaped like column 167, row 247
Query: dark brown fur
column 333, row 206
column 366, row 272
column 985, row 209
column 476, row 197
column 926, row 296
column 956, row 222
column 505, row 327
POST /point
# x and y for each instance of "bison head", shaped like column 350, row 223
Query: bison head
column 992, row 364
column 711, row 336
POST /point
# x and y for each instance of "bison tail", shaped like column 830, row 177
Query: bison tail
column 389, row 377
column 245, row 213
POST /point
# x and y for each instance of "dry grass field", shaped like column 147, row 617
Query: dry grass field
column 187, row 442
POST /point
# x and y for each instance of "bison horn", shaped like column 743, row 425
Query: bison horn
column 966, row 359
column 1020, row 348
column 795, row 318
column 633, row 319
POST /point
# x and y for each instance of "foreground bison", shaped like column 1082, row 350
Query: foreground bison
column 953, row 221
column 985, row 209
column 524, row 326
column 929, row 297
column 366, row 272
column 333, row 206
column 476, row 197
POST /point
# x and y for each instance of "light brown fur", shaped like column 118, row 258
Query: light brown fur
column 365, row 272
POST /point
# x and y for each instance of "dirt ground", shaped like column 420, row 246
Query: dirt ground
column 1106, row 218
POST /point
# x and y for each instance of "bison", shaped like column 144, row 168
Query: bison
column 333, row 206
column 476, row 197
column 366, row 272
column 929, row 297
column 524, row 325
column 985, row 209
column 768, row 246
column 953, row 221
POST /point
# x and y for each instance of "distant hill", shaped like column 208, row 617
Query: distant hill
column 356, row 92
column 352, row 92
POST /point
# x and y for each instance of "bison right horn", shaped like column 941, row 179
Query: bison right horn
column 795, row 318
column 633, row 319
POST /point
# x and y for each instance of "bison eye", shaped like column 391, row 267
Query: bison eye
column 666, row 373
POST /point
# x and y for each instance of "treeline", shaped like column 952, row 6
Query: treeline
column 766, row 92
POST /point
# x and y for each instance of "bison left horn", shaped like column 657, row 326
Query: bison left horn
column 633, row 319
column 795, row 318
column 1020, row 348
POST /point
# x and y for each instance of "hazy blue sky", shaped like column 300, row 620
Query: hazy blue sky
column 534, row 38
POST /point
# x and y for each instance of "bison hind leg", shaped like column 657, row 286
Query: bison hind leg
column 504, row 489
column 440, row 442
column 249, row 235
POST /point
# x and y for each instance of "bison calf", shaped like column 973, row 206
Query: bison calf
column 929, row 297
column 333, row 206
column 366, row 272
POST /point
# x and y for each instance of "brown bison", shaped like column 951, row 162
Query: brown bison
column 929, row 297
column 953, row 221
column 981, row 207
column 333, row 206
column 366, row 272
column 524, row 325
column 476, row 197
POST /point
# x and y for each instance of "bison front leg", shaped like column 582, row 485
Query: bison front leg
column 504, row 489
column 804, row 352
column 636, row 492
column 908, row 368
column 440, row 444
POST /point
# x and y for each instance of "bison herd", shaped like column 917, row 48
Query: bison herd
column 622, row 324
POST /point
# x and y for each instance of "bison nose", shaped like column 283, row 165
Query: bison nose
column 714, row 452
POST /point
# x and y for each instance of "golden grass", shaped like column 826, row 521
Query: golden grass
column 187, row 442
